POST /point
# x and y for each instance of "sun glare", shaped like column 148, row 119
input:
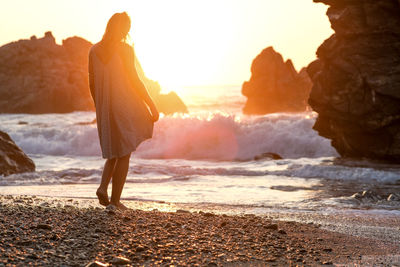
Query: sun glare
column 213, row 42
column 186, row 47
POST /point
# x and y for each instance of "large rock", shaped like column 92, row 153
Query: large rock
column 12, row 158
column 275, row 85
column 40, row 76
column 166, row 103
column 356, row 90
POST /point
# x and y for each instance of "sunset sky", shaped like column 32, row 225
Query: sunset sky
column 182, row 42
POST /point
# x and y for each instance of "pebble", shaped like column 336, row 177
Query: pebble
column 224, row 223
column 111, row 212
column 120, row 261
column 96, row 264
column 140, row 248
column 33, row 256
column 44, row 226
column 127, row 219
column 272, row 226
column 393, row 197
column 182, row 211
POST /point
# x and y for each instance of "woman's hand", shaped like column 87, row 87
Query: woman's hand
column 155, row 113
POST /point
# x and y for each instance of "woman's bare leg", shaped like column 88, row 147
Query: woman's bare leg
column 118, row 180
column 108, row 171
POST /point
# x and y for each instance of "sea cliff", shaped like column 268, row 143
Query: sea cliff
column 356, row 79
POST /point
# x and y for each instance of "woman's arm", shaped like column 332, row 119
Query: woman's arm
column 129, row 59
column 91, row 77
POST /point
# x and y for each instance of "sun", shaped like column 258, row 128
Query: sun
column 181, row 48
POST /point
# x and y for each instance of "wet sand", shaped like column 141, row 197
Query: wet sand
column 76, row 232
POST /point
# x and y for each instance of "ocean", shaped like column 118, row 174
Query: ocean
column 207, row 158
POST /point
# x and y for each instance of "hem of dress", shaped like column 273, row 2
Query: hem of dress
column 130, row 151
column 117, row 157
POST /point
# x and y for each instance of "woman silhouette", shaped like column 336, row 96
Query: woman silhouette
column 122, row 105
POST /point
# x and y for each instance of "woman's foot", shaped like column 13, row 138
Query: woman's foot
column 122, row 206
column 118, row 206
column 103, row 197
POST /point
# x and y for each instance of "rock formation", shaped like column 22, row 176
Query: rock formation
column 40, row 76
column 356, row 78
column 12, row 158
column 275, row 85
column 166, row 103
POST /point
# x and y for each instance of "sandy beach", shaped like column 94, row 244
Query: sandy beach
column 76, row 232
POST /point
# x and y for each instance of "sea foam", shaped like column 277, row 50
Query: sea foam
column 207, row 137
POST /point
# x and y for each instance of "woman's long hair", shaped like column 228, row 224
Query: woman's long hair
column 116, row 31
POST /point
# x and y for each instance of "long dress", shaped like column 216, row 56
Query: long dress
column 123, row 119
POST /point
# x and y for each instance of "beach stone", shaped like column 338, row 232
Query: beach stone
column 272, row 226
column 275, row 85
column 393, row 197
column 127, row 218
column 140, row 248
column 224, row 223
column 25, row 243
column 44, row 226
column 357, row 195
column 54, row 237
column 356, row 79
column 282, row 232
column 111, row 211
column 12, row 158
column 33, row 256
column 302, row 251
column 39, row 76
column 120, row 261
column 367, row 196
column 182, row 211
column 268, row 155
column 371, row 195
column 96, row 264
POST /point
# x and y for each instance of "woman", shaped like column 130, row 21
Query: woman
column 122, row 105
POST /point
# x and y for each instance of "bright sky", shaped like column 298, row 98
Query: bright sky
column 182, row 42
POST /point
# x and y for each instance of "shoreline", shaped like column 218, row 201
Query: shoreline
column 375, row 223
column 75, row 232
